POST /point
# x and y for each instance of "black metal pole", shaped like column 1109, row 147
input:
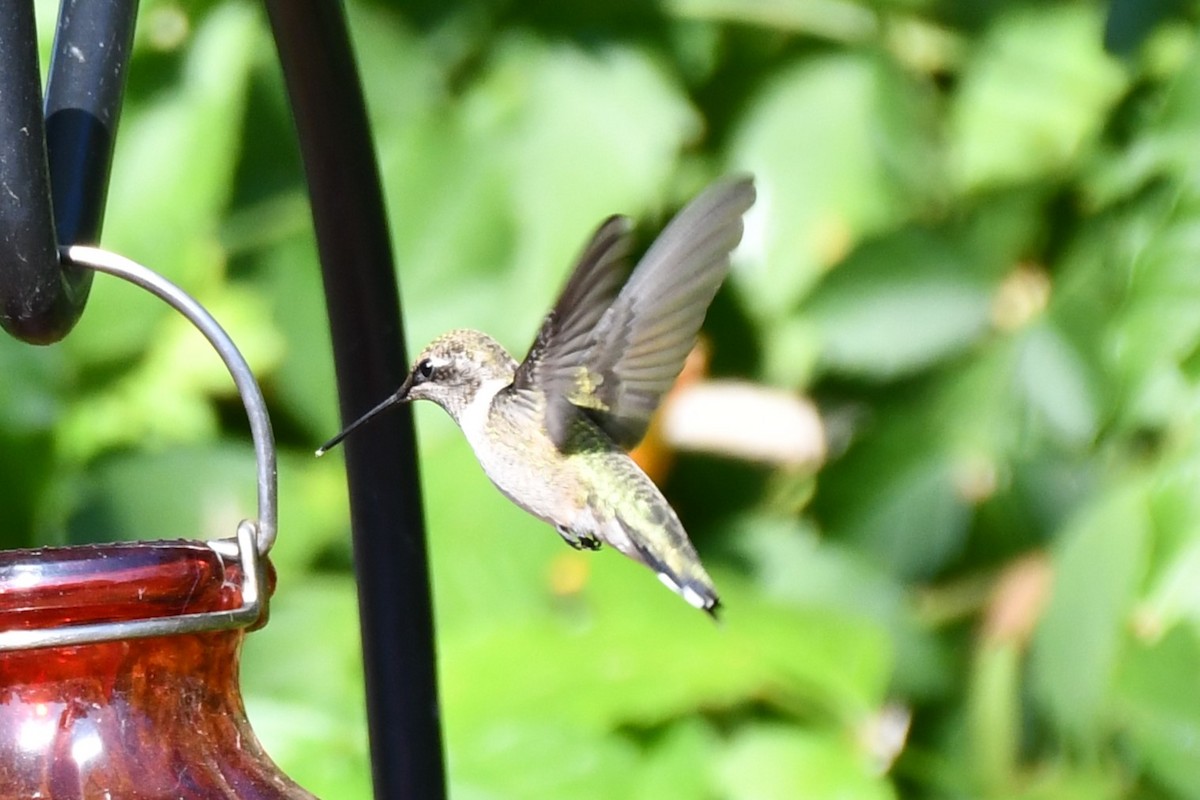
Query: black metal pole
column 83, row 104
column 364, row 314
column 39, row 301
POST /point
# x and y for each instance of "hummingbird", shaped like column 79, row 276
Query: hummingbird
column 552, row 432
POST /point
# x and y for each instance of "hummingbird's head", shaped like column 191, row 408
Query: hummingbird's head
column 453, row 368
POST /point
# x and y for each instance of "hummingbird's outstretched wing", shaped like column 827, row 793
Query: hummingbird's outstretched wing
column 565, row 335
column 614, row 363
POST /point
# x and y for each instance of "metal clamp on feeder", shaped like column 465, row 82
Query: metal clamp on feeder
column 254, row 538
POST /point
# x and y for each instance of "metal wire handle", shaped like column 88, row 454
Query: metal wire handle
column 256, row 409
column 253, row 539
column 252, row 609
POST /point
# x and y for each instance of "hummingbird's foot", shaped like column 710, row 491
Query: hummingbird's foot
column 578, row 541
column 589, row 542
column 568, row 537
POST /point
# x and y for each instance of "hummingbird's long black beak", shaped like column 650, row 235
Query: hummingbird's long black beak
column 399, row 397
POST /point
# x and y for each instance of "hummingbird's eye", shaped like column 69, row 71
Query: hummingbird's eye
column 425, row 369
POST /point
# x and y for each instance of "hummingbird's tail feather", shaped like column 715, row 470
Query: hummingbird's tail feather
column 690, row 582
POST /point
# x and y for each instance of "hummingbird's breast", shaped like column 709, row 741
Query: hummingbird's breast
column 582, row 489
column 507, row 434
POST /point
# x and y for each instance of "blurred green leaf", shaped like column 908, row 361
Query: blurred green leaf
column 620, row 140
column 836, row 19
column 172, row 175
column 28, row 471
column 908, row 512
column 1162, row 146
column 994, row 713
column 1155, row 333
column 529, row 760
column 1131, row 21
column 1172, row 595
column 916, row 521
column 306, row 701
column 313, row 509
column 34, row 380
column 303, row 384
column 1156, row 699
column 897, row 306
column 769, row 762
column 678, row 763
column 648, row 670
column 1077, row 647
column 194, row 493
column 791, row 563
column 1033, row 97
column 1056, row 386
column 415, row 82
column 824, row 140
column 489, row 196
column 166, row 397
column 1074, row 783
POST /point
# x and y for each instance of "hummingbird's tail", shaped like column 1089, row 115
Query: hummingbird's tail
column 687, row 579
column 643, row 526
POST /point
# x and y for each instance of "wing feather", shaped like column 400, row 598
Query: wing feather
column 639, row 343
column 565, row 333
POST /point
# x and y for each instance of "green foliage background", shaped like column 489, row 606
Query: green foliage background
column 975, row 248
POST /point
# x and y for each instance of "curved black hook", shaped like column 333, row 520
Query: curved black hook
column 38, row 302
column 57, row 171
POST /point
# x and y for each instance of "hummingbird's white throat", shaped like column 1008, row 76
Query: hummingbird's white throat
column 473, row 416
